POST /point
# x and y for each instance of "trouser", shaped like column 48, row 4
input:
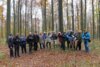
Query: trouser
column 30, row 48
column 17, row 51
column 35, row 46
column 86, row 46
column 78, row 45
column 48, row 43
column 41, row 45
column 54, row 45
column 23, row 48
column 44, row 44
column 11, row 51
column 72, row 45
column 68, row 44
column 63, row 45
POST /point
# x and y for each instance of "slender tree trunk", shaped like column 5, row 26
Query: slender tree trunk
column 8, row 18
column 93, row 19
column 85, row 17
column 44, row 16
column 52, row 10
column 60, row 12
column 18, row 16
column 14, row 28
column 99, row 19
column 72, row 16
column 25, row 15
column 31, row 16
column 81, row 15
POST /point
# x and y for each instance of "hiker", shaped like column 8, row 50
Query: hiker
column 61, row 40
column 41, row 41
column 30, row 41
column 72, row 38
column 36, row 41
column 86, row 38
column 48, row 40
column 10, row 44
column 54, row 38
column 17, row 45
column 68, row 41
column 44, row 39
column 79, row 40
column 23, row 43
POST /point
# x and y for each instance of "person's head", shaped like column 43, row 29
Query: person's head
column 17, row 34
column 79, row 31
column 35, row 33
column 10, row 34
column 71, row 33
column 30, row 33
column 85, row 31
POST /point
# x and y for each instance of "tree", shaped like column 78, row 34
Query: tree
column 8, row 18
column 93, row 19
column 52, row 11
column 60, row 12
column 85, row 17
column 72, row 15
column 99, row 19
column 81, row 4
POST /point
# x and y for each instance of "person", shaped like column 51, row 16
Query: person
column 68, row 41
column 54, row 38
column 23, row 43
column 17, row 45
column 44, row 39
column 30, row 40
column 48, row 40
column 79, row 40
column 86, row 38
column 10, row 44
column 40, row 41
column 61, row 40
column 36, row 40
column 72, row 38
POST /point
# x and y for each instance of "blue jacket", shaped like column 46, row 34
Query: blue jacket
column 44, row 36
column 86, row 37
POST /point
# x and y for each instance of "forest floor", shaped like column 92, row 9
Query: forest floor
column 53, row 58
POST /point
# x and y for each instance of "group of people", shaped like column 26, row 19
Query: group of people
column 44, row 40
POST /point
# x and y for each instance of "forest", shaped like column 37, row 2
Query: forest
column 24, row 16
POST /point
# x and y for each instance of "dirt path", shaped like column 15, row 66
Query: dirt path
column 50, row 58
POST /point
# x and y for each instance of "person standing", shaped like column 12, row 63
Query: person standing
column 30, row 40
column 86, row 38
column 44, row 39
column 23, row 43
column 17, row 45
column 79, row 40
column 54, row 38
column 10, row 44
column 48, row 40
column 40, row 41
column 36, row 40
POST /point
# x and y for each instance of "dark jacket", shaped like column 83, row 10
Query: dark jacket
column 30, row 39
column 16, row 41
column 10, row 41
column 36, row 38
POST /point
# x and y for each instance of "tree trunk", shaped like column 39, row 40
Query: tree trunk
column 93, row 19
column 60, row 12
column 52, row 10
column 85, row 17
column 72, row 16
column 8, row 18
column 81, row 15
